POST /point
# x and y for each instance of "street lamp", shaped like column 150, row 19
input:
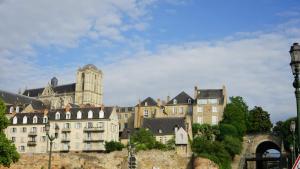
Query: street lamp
column 51, row 138
column 295, row 65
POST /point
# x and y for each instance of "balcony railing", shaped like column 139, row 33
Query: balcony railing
column 32, row 133
column 65, row 140
column 65, row 130
column 31, row 143
column 93, row 139
column 93, row 129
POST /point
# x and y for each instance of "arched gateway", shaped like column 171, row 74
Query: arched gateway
column 263, row 151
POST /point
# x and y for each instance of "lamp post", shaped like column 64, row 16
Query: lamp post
column 51, row 139
column 293, row 129
column 295, row 65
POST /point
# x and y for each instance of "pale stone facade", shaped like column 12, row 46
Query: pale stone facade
column 126, row 117
column 78, row 129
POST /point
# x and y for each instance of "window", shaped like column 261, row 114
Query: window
column 24, row 129
column 22, row 148
column 126, row 115
column 213, row 101
column 78, row 125
column 189, row 101
column 214, row 120
column 202, row 101
column 181, row 110
column 79, row 114
column 174, row 101
column 33, row 129
column 57, row 116
column 44, row 138
column 101, row 114
column 126, row 125
column 67, row 125
column 68, row 115
column 34, row 120
column 146, row 113
column 146, row 104
column 200, row 109
column 214, row 109
column 17, row 109
column 25, row 120
column 14, row 130
column 100, row 124
column 174, row 110
column 159, row 130
column 45, row 119
column 15, row 120
column 200, row 120
column 11, row 109
column 13, row 139
column 89, row 125
column 90, row 114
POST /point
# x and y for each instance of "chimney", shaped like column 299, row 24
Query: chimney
column 102, row 107
column 67, row 108
column 46, row 111
column 195, row 92
column 168, row 99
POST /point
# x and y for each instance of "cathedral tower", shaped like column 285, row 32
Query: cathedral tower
column 89, row 89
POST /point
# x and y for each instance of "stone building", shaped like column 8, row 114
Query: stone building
column 78, row 129
column 88, row 89
column 209, row 105
column 126, row 117
column 180, row 106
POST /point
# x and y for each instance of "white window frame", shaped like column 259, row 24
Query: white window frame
column 15, row 120
column 200, row 109
column 202, row 101
column 34, row 119
column 79, row 115
column 101, row 114
column 146, row 113
column 45, row 119
column 68, row 115
column 174, row 101
column 214, row 109
column 90, row 114
column 25, row 120
column 57, row 116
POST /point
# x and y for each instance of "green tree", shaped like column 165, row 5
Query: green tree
column 235, row 113
column 233, row 145
column 282, row 129
column 144, row 139
column 259, row 121
column 113, row 146
column 205, row 131
column 227, row 130
column 8, row 152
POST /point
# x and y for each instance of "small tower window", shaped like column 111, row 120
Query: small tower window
column 57, row 116
column 34, row 120
column 25, row 120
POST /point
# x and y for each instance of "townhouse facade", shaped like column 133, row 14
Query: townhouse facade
column 77, row 130
column 125, row 117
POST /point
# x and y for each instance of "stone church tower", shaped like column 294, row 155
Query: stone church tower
column 89, row 89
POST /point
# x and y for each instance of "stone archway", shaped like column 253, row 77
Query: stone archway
column 261, row 149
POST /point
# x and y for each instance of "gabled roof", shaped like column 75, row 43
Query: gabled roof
column 17, row 99
column 150, row 102
column 73, row 111
column 165, row 125
column 124, row 109
column 67, row 88
column 182, row 98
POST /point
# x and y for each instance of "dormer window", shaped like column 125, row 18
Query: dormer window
column 15, row 120
column 101, row 114
column 146, row 104
column 45, row 119
column 57, row 116
column 68, row 115
column 79, row 115
column 90, row 114
column 17, row 109
column 11, row 109
column 25, row 120
column 189, row 101
column 174, row 101
column 160, row 131
column 34, row 120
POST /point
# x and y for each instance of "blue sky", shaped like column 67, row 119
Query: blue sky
column 155, row 48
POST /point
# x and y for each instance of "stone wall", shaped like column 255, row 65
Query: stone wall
column 115, row 160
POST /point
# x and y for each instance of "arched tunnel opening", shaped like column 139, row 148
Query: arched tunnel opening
column 267, row 155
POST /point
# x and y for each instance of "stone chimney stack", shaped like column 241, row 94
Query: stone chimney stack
column 195, row 92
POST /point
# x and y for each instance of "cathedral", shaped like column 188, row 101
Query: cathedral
column 88, row 90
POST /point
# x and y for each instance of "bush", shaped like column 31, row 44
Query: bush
column 113, row 146
column 232, row 145
column 227, row 130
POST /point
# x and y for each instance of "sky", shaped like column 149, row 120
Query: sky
column 155, row 47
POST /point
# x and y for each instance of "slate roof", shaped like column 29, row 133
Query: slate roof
column 124, row 109
column 166, row 125
column 17, row 99
column 73, row 111
column 211, row 94
column 67, row 88
column 181, row 98
column 84, row 111
column 150, row 102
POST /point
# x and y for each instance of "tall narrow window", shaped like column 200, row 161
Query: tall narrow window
column 101, row 114
column 15, row 120
column 17, row 109
column 214, row 109
column 174, row 101
column 11, row 109
column 25, row 120
column 45, row 119
column 79, row 114
column 57, row 116
column 68, row 115
column 90, row 114
column 82, row 79
column 146, row 113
